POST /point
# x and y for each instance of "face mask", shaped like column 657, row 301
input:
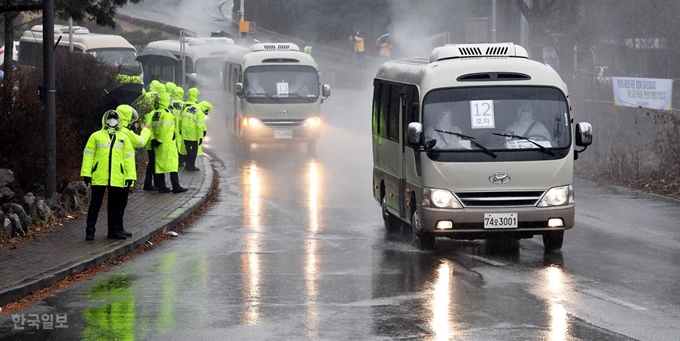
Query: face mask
column 112, row 122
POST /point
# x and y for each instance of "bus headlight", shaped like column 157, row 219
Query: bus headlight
column 557, row 196
column 440, row 198
column 312, row 122
column 251, row 122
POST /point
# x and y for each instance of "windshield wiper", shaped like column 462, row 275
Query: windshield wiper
column 471, row 139
column 543, row 149
column 260, row 94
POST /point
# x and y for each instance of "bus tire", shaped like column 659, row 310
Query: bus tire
column 392, row 223
column 421, row 239
column 311, row 147
column 552, row 241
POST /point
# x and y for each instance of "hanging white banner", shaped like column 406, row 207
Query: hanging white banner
column 652, row 93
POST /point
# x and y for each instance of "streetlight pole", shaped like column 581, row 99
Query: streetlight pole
column 49, row 104
column 493, row 21
column 242, row 18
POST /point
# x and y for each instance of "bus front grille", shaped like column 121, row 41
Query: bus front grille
column 499, row 199
column 275, row 123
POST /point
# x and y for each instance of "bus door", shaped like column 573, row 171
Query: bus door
column 408, row 113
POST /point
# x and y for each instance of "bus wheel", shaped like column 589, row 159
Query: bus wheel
column 421, row 239
column 245, row 147
column 392, row 224
column 311, row 147
column 552, row 241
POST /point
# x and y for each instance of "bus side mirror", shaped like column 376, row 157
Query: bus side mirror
column 239, row 89
column 415, row 131
column 326, row 91
column 584, row 134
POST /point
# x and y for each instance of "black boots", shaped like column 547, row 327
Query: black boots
column 89, row 233
column 116, row 235
column 179, row 189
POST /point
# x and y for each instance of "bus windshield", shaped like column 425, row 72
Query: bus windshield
column 281, row 83
column 119, row 57
column 208, row 77
column 501, row 118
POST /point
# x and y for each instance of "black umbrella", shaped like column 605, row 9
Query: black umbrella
column 157, row 56
column 382, row 39
column 124, row 94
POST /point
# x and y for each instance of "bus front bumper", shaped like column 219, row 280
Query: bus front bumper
column 468, row 223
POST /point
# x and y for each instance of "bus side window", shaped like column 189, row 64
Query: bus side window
column 383, row 112
column 376, row 106
column 393, row 116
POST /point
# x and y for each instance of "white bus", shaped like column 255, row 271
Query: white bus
column 476, row 142
column 204, row 61
column 112, row 49
column 276, row 95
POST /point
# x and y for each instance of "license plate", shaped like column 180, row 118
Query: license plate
column 500, row 220
column 283, row 134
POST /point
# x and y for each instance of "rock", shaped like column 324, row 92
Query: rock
column 5, row 228
column 83, row 191
column 9, row 187
column 70, row 198
column 29, row 204
column 43, row 212
column 6, row 177
column 15, row 224
column 57, row 209
column 10, row 208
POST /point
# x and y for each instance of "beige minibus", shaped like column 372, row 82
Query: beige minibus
column 276, row 95
column 475, row 142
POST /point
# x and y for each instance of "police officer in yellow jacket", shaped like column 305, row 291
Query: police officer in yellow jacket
column 109, row 166
column 164, row 145
column 177, row 107
column 128, row 115
column 206, row 108
column 193, row 128
column 151, row 96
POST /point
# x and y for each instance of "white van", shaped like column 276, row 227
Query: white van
column 276, row 93
column 204, row 60
column 476, row 142
column 112, row 49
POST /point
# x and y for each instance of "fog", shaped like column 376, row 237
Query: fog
column 586, row 42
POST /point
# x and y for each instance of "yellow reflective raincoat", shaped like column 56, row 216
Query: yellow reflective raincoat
column 109, row 158
column 163, row 131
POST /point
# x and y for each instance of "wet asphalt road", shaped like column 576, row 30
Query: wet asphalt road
column 295, row 249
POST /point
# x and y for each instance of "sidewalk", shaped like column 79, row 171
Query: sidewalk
column 49, row 258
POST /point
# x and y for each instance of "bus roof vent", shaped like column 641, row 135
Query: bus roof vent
column 274, row 47
column 451, row 51
column 62, row 29
column 210, row 41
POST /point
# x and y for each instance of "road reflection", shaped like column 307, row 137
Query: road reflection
column 312, row 272
column 555, row 280
column 250, row 259
column 440, row 302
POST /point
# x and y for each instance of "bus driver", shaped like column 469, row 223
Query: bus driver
column 443, row 117
column 528, row 127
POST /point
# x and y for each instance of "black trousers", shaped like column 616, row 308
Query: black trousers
column 192, row 152
column 150, row 170
column 159, row 179
column 113, row 209
column 123, row 205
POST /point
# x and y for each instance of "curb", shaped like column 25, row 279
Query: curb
column 33, row 284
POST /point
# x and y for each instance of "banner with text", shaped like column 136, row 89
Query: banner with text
column 651, row 93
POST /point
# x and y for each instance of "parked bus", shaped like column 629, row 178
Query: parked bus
column 112, row 49
column 204, row 61
column 476, row 142
column 276, row 95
